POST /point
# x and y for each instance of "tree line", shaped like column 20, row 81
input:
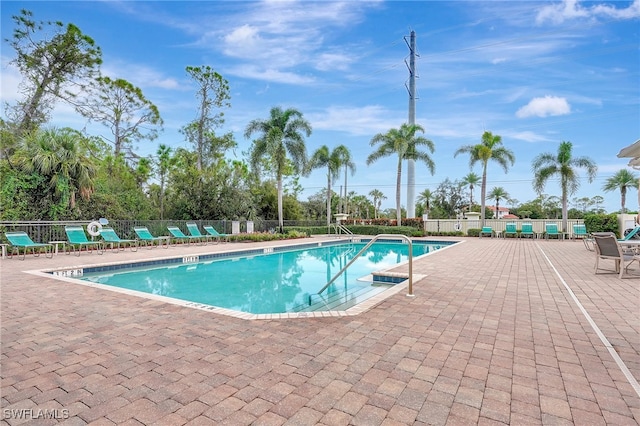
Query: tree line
column 52, row 173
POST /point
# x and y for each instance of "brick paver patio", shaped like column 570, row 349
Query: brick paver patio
column 500, row 332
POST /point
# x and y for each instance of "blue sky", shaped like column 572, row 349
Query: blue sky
column 535, row 73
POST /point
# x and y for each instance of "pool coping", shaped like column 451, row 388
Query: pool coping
column 361, row 307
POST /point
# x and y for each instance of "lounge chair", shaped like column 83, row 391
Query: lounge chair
column 78, row 239
column 551, row 230
column 631, row 234
column 608, row 247
column 215, row 234
column 110, row 237
column 527, row 230
column 20, row 240
column 195, row 232
column 177, row 234
column 579, row 231
column 511, row 229
column 145, row 236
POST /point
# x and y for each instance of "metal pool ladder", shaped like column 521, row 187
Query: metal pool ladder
column 369, row 244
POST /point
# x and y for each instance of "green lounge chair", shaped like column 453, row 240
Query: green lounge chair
column 110, row 237
column 20, row 240
column 631, row 234
column 195, row 232
column 145, row 236
column 177, row 234
column 579, row 231
column 78, row 239
column 551, row 230
column 511, row 230
column 527, row 230
column 215, row 234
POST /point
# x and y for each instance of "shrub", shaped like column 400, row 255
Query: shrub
column 446, row 234
column 266, row 236
column 473, row 232
column 602, row 223
column 361, row 230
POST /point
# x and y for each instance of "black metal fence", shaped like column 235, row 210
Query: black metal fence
column 44, row 231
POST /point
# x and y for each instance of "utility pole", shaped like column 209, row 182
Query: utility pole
column 411, row 164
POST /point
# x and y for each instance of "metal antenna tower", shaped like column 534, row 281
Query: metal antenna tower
column 411, row 88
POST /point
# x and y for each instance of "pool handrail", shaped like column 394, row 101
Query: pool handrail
column 369, row 244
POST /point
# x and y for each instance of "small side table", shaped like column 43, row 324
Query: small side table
column 164, row 240
column 4, row 250
column 56, row 244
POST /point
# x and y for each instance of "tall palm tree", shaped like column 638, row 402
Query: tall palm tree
column 344, row 156
column 490, row 148
column 377, row 196
column 281, row 135
column 622, row 180
column 498, row 193
column 471, row 180
column 404, row 143
column 57, row 155
column 322, row 157
column 563, row 165
column 425, row 198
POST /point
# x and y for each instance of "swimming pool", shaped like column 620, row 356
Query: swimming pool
column 264, row 281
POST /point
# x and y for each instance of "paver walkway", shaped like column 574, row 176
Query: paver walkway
column 495, row 335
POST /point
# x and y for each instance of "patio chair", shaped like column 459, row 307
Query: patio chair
column 20, row 240
column 77, row 239
column 527, row 230
column 195, row 232
column 511, row 230
column 178, row 235
column 145, row 236
column 110, row 237
column 215, row 234
column 607, row 247
column 551, row 230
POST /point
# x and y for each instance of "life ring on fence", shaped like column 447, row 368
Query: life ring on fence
column 94, row 228
column 457, row 226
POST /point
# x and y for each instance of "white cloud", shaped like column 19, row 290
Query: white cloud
column 543, row 107
column 10, row 80
column 367, row 120
column 140, row 76
column 528, row 136
column 333, row 62
column 270, row 75
column 557, row 13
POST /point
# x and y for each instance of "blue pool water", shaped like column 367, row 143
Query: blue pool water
column 277, row 282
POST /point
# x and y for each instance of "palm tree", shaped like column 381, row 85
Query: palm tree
column 280, row 134
column 425, row 198
column 331, row 160
column 404, row 143
column 344, row 155
column 57, row 155
column 361, row 204
column 490, row 148
column 498, row 193
column 377, row 196
column 622, row 180
column 564, row 165
column 471, row 180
